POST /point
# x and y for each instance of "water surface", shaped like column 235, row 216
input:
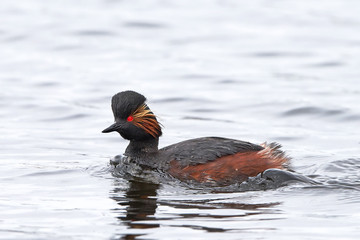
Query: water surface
column 259, row 71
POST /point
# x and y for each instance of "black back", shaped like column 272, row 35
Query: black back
column 203, row 150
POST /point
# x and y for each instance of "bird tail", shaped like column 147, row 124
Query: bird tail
column 272, row 151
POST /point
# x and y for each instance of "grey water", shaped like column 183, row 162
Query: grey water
column 284, row 71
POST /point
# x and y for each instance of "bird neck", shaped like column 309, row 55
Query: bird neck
column 138, row 148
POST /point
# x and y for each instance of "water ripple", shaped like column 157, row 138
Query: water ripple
column 327, row 64
column 67, row 117
column 280, row 54
column 95, row 33
column 311, row 111
column 143, row 25
column 51, row 173
column 351, row 165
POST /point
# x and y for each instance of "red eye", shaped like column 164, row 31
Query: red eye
column 130, row 118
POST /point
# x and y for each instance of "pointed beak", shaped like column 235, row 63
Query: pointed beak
column 116, row 126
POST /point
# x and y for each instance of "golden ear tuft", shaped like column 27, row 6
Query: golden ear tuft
column 145, row 119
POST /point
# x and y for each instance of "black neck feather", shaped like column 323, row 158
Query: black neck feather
column 138, row 148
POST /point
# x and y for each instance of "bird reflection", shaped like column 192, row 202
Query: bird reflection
column 141, row 202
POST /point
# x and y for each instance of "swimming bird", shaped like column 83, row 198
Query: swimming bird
column 218, row 160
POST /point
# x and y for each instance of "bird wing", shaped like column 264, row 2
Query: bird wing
column 203, row 150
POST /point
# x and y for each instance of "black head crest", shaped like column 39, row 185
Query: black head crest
column 126, row 102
